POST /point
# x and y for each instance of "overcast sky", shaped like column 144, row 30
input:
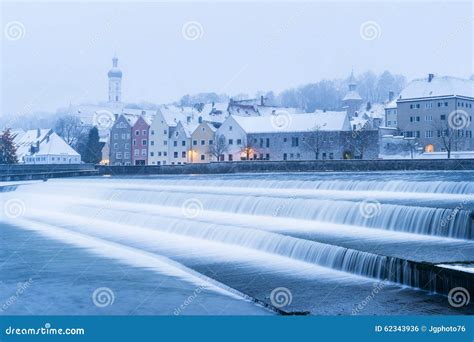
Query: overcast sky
column 65, row 50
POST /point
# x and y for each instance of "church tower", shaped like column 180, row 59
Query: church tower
column 352, row 101
column 115, row 82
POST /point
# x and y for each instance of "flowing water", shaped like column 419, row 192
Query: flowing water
column 323, row 243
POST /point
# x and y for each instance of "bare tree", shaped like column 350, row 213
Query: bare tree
column 70, row 128
column 219, row 147
column 412, row 145
column 449, row 135
column 247, row 148
column 314, row 140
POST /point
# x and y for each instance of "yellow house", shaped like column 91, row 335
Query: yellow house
column 202, row 139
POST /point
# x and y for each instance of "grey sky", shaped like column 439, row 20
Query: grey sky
column 67, row 48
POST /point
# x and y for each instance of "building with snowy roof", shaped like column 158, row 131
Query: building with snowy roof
column 437, row 111
column 304, row 136
column 44, row 146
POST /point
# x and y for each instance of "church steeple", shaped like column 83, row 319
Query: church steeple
column 115, row 82
column 352, row 100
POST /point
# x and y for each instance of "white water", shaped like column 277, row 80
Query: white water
column 262, row 217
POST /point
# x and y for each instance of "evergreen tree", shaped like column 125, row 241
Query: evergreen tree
column 91, row 151
column 7, row 148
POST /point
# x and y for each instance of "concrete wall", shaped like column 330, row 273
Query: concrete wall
column 30, row 172
column 293, row 166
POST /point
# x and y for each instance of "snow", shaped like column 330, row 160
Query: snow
column 55, row 145
column 352, row 95
column 285, row 122
column 439, row 86
column 31, row 137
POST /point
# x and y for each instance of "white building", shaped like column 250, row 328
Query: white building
column 44, row 146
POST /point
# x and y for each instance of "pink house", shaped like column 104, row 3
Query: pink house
column 140, row 142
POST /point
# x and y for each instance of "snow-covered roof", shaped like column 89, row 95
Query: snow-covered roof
column 286, row 122
column 31, row 137
column 55, row 145
column 376, row 111
column 438, row 86
column 352, row 95
column 391, row 104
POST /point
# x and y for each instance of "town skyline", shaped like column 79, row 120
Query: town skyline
column 153, row 77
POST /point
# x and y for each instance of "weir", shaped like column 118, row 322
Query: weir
column 387, row 229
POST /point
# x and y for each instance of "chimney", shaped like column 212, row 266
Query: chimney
column 38, row 133
column 391, row 95
column 430, row 77
column 261, row 100
column 200, row 119
column 188, row 119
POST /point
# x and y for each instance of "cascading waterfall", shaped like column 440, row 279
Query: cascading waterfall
column 141, row 205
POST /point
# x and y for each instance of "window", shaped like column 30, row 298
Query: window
column 152, row 154
column 134, row 142
column 183, row 143
column 231, row 157
column 175, row 143
column 152, row 132
column 126, row 155
column 127, row 146
column 195, row 142
column 203, row 157
column 261, row 142
column 443, row 117
column 137, row 132
column 231, row 141
column 445, row 104
column 118, row 155
column 239, row 141
column 203, row 142
column 428, row 117
column 128, row 136
column 230, row 128
column 428, row 134
column 267, row 142
column 136, row 152
column 165, row 153
column 159, row 154
column 144, row 142
column 144, row 132
column 331, row 155
column 417, row 119
column 294, row 141
column 468, row 134
column 165, row 142
column 175, row 154
column 144, row 152
column 285, row 139
column 165, row 132
column 115, row 145
column 183, row 154
column 324, row 155
column 115, row 136
column 123, row 135
column 152, row 143
column 211, row 142
column 267, row 156
column 285, row 156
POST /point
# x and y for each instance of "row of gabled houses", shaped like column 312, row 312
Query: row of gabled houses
column 175, row 138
